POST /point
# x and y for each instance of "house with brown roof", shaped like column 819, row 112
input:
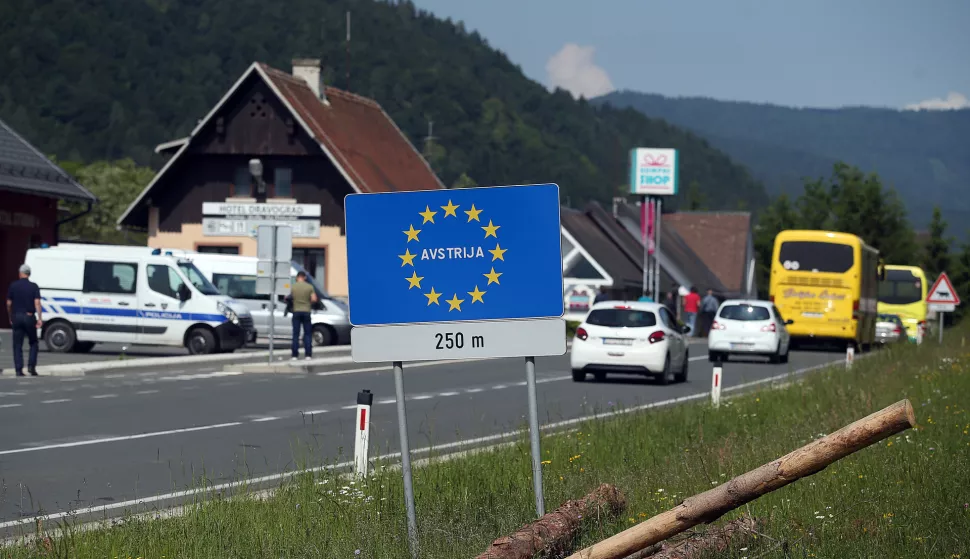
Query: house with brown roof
column 315, row 145
column 724, row 241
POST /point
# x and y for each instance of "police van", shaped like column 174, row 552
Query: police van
column 133, row 295
column 235, row 276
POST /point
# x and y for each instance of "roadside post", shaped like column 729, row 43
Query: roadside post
column 425, row 283
column 849, row 355
column 365, row 399
column 274, row 250
column 653, row 175
column 716, row 380
column 942, row 298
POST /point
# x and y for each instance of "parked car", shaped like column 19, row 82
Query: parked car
column 745, row 327
column 630, row 337
column 890, row 329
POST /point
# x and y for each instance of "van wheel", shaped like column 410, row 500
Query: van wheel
column 322, row 335
column 60, row 337
column 83, row 347
column 200, row 341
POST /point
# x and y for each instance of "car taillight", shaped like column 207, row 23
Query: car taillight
column 768, row 328
column 581, row 334
column 718, row 326
column 657, row 336
column 897, row 331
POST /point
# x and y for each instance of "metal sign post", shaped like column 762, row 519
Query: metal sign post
column 942, row 298
column 274, row 250
column 456, row 274
column 653, row 174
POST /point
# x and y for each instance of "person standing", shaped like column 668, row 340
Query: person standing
column 692, row 304
column 303, row 296
column 23, row 308
column 708, row 309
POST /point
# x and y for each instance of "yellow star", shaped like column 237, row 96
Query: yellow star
column 427, row 214
column 498, row 252
column 490, row 230
column 454, row 303
column 477, row 295
column 432, row 297
column 492, row 277
column 473, row 214
column 450, row 209
column 412, row 234
column 407, row 258
column 414, row 280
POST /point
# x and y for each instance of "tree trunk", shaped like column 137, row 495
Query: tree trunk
column 555, row 531
column 711, row 505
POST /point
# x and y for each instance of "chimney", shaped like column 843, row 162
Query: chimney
column 308, row 69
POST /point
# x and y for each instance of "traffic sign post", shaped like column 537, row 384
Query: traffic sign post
column 942, row 298
column 456, row 274
column 274, row 250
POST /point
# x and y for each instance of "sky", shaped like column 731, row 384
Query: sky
column 822, row 53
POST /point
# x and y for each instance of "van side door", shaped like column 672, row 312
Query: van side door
column 163, row 322
column 109, row 302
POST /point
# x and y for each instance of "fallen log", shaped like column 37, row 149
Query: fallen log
column 702, row 544
column 554, row 532
column 710, row 505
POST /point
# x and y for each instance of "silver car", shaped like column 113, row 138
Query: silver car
column 890, row 329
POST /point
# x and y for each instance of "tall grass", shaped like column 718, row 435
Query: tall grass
column 905, row 497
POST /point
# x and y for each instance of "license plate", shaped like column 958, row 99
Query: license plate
column 616, row 341
column 737, row 345
column 812, row 314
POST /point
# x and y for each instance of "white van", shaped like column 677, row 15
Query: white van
column 235, row 276
column 121, row 294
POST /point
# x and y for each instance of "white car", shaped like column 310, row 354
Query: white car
column 630, row 337
column 743, row 327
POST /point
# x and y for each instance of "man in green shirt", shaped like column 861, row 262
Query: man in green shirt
column 303, row 296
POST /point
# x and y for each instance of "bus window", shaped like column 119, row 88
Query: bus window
column 811, row 256
column 901, row 287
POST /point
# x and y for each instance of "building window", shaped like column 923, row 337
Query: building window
column 314, row 261
column 243, row 183
column 219, row 250
column 109, row 277
column 282, row 181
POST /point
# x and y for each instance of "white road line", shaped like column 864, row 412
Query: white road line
column 147, row 392
column 387, row 401
column 12, row 393
column 499, row 386
column 113, row 376
column 448, row 394
column 421, row 397
column 101, row 396
column 456, row 444
column 75, row 379
column 10, row 405
column 261, row 419
column 121, row 438
column 351, row 407
column 216, row 374
column 474, row 390
column 56, row 401
column 387, row 368
column 315, row 412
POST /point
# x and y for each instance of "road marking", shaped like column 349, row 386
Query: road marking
column 121, row 438
column 474, row 443
column 351, row 407
column 315, row 412
column 499, row 386
column 216, row 374
column 56, row 401
column 100, row 396
column 9, row 405
column 147, row 392
column 474, row 390
column 12, row 393
column 387, row 401
column 261, row 419
column 386, row 368
column 421, row 397
column 448, row 394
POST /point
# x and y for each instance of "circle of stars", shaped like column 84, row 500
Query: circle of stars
column 407, row 259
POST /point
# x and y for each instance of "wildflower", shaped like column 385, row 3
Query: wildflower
column 632, row 520
column 547, row 461
column 356, row 552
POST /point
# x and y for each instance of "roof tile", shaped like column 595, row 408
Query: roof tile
column 720, row 239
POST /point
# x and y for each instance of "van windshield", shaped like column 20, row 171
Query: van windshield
column 198, row 280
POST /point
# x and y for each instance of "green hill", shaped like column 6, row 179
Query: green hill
column 923, row 154
column 114, row 78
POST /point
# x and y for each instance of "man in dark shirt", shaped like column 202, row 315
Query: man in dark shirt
column 23, row 308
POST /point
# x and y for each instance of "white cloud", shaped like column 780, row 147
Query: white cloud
column 953, row 100
column 573, row 69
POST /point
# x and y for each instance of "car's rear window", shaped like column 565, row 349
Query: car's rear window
column 621, row 318
column 744, row 312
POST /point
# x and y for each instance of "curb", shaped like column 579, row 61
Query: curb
column 84, row 368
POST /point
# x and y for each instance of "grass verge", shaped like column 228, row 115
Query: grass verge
column 905, row 497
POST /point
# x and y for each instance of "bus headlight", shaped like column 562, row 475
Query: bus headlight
column 228, row 313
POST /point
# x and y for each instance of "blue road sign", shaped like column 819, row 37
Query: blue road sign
column 454, row 255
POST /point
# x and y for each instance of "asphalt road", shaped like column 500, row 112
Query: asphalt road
column 70, row 443
column 109, row 352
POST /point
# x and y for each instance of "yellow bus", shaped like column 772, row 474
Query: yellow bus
column 826, row 282
column 903, row 293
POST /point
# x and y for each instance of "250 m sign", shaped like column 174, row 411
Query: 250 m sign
column 456, row 340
